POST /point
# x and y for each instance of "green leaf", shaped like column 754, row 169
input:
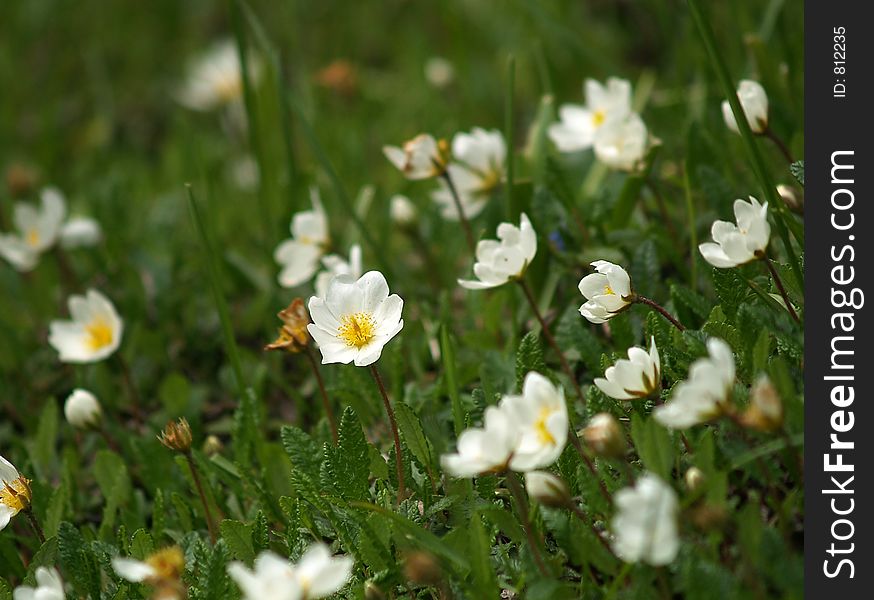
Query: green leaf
column 5, row 590
column 46, row 435
column 450, row 377
column 731, row 289
column 56, row 508
column 114, row 482
column 574, row 333
column 238, row 537
column 349, row 463
column 414, row 437
column 78, row 562
column 303, row 451
column 529, row 357
column 141, row 544
column 654, row 445
column 484, row 581
column 797, row 170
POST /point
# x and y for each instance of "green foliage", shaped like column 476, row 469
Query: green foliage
column 529, row 357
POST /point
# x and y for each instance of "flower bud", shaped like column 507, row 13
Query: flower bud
column 694, row 478
column 422, row 568
column 20, row 179
column 604, row 436
column 792, row 200
column 372, row 591
column 212, row 445
column 82, row 409
column 765, row 411
column 177, row 436
column 547, row 489
column 293, row 335
column 401, row 210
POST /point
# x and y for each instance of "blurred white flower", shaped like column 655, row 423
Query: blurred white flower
column 485, row 449
column 245, row 174
column 754, row 102
column 401, row 210
column 82, row 409
column 355, row 319
column 735, row 245
column 49, row 586
column 608, row 292
column 645, row 525
column 498, row 262
column 15, row 493
column 317, row 575
column 422, row 157
column 439, row 72
column 579, row 126
column 299, row 256
column 622, row 144
column 547, row 489
column 216, row 79
column 540, row 415
column 94, row 332
column 336, row 265
column 38, row 230
column 161, row 569
column 765, row 410
column 604, row 436
column 80, row 232
column 705, row 394
column 480, row 157
column 637, row 377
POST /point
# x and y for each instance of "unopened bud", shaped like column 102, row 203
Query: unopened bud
column 708, row 517
column 177, row 436
column 212, row 445
column 547, row 489
column 82, row 410
column 792, row 200
column 20, row 180
column 604, row 436
column 373, row 591
column 694, row 478
column 402, row 210
column 293, row 334
column 422, row 568
column 765, row 411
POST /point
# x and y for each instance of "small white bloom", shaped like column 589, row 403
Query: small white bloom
column 540, row 414
column 15, row 493
column 498, row 262
column 706, row 392
column 299, row 256
column 481, row 155
column 420, row 158
column 216, row 78
column 162, row 569
column 735, row 245
column 637, row 377
column 754, row 102
column 133, row 570
column 355, row 319
column 608, row 291
column 546, row 488
column 38, row 230
column 317, row 575
column 645, row 525
column 622, row 144
column 80, row 232
column 765, row 410
column 94, row 332
column 485, row 449
column 336, row 265
column 49, row 586
column 245, row 174
column 401, row 210
column 580, row 125
column 439, row 72
column 82, row 409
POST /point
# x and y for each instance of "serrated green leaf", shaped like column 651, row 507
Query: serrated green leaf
column 349, row 463
column 141, row 544
column 77, row 561
column 797, row 170
column 414, row 437
column 238, row 538
column 303, row 451
column 482, row 572
column 529, row 357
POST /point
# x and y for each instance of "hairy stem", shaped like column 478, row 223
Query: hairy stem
column 35, row 524
column 784, row 149
column 402, row 489
column 326, row 403
column 210, row 524
column 465, row 224
column 661, row 309
column 522, row 508
column 779, row 283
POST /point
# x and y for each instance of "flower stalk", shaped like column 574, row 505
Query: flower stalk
column 779, row 283
column 655, row 305
column 394, row 431
column 522, row 508
column 326, row 403
column 34, row 524
column 465, row 224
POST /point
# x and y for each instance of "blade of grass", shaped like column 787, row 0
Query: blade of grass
column 447, row 354
column 783, row 219
column 509, row 134
column 693, row 231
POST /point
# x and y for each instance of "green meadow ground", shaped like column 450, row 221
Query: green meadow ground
column 87, row 104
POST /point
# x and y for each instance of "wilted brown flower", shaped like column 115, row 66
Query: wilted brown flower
column 339, row 76
column 293, row 335
column 20, row 179
column 177, row 436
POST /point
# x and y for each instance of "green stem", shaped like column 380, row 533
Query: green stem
column 693, row 230
column 399, row 462
column 35, row 524
column 779, row 283
column 326, row 403
column 660, row 309
column 578, row 512
column 210, row 524
column 465, row 224
column 781, row 145
column 509, row 134
column 522, row 508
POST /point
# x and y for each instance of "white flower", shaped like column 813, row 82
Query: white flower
column 481, row 155
column 705, row 394
column 335, row 265
column 439, row 72
column 94, row 332
column 80, row 232
column 637, row 377
column 486, row 449
column 580, row 125
column 401, row 210
column 162, row 569
column 471, row 196
column 498, row 262
column 421, row 157
column 355, row 319
column 82, row 409
column 753, row 101
column 735, row 245
column 622, row 144
column 608, row 291
column 645, row 525
column 49, row 586
column 547, row 489
column 15, row 493
column 765, row 410
column 216, row 78
column 540, row 414
column 317, row 575
column 299, row 256
column 38, row 230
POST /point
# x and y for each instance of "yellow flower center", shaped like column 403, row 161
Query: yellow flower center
column 16, row 494
column 32, row 238
column 167, row 563
column 540, row 426
column 228, row 88
column 99, row 334
column 598, row 118
column 357, row 329
column 608, row 291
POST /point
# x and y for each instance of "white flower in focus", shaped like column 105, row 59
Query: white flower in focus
column 580, row 125
column 49, row 586
column 216, row 78
column 38, row 230
column 637, row 377
column 336, row 265
column 401, row 210
column 485, row 449
column 498, row 262
column 319, row 574
column 608, row 291
column 422, row 157
column 754, row 102
column 735, row 245
column 540, row 415
column 94, row 332
column 547, row 489
column 15, row 493
column 299, row 256
column 481, row 155
column 645, row 525
column 622, row 144
column 439, row 72
column 705, row 394
column 82, row 409
column 80, row 232
column 355, row 319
